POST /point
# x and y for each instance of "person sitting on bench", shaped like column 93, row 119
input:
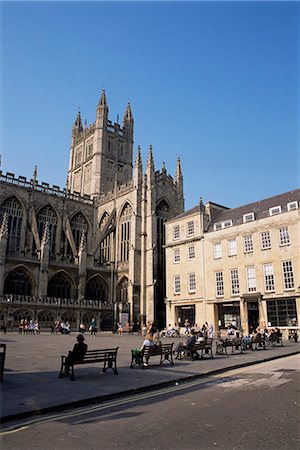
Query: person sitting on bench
column 182, row 346
column 77, row 354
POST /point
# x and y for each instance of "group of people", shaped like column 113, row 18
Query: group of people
column 170, row 331
column 29, row 327
column 206, row 329
column 60, row 327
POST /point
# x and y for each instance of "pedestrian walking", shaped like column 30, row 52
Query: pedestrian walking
column 93, row 327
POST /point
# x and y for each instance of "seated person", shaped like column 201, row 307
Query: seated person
column 77, row 354
column 230, row 331
column 275, row 334
column 148, row 342
column 174, row 331
column 120, row 328
column 166, row 331
column 201, row 337
column 182, row 346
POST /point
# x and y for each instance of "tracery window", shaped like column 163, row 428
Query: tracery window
column 17, row 282
column 105, row 246
column 47, row 214
column 59, row 286
column 122, row 291
column 96, row 290
column 124, row 232
column 13, row 208
column 78, row 226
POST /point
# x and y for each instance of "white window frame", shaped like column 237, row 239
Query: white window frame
column 217, row 250
column 190, row 228
column 232, row 247
column 227, row 223
column 218, row 226
column 291, row 206
column 176, row 255
column 176, row 284
column 248, row 243
column 269, row 277
column 191, row 252
column 265, row 240
column 284, row 237
column 219, row 284
column 275, row 210
column 176, row 232
column 235, row 283
column 251, row 279
column 192, row 282
column 288, row 275
column 249, row 217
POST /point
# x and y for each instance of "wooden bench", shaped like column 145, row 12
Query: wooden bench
column 128, row 330
column 141, row 358
column 2, row 359
column 258, row 342
column 233, row 343
column 198, row 350
column 108, row 356
column 274, row 339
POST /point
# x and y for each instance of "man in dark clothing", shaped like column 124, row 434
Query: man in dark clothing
column 77, row 354
column 185, row 345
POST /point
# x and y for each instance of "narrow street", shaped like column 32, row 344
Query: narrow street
column 251, row 408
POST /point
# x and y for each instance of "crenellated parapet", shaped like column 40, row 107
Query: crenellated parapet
column 43, row 187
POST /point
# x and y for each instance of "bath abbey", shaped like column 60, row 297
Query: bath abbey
column 93, row 249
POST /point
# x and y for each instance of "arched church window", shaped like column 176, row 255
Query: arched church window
column 59, row 286
column 13, row 208
column 47, row 214
column 78, row 226
column 17, row 282
column 162, row 215
column 124, row 232
column 122, row 291
column 96, row 290
column 105, row 245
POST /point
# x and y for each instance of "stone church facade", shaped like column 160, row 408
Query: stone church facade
column 95, row 248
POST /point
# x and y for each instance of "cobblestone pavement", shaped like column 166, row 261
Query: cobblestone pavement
column 32, row 365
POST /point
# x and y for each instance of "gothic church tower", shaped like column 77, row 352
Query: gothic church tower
column 101, row 154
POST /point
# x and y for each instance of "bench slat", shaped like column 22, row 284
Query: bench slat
column 108, row 356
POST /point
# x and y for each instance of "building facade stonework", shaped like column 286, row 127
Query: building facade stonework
column 241, row 264
column 95, row 248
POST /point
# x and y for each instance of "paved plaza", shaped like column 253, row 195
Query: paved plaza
column 31, row 384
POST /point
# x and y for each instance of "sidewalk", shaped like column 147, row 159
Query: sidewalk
column 31, row 384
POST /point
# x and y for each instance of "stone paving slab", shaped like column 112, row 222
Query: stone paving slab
column 31, row 384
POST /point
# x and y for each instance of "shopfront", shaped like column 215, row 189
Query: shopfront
column 282, row 312
column 185, row 312
column 229, row 313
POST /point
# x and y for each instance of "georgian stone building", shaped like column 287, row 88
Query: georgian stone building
column 239, row 264
column 95, row 248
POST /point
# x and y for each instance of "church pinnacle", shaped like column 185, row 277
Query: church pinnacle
column 150, row 160
column 102, row 101
column 77, row 127
column 128, row 115
column 102, row 111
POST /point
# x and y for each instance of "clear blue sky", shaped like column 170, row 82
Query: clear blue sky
column 215, row 83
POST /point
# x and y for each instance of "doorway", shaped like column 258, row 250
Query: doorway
column 253, row 316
